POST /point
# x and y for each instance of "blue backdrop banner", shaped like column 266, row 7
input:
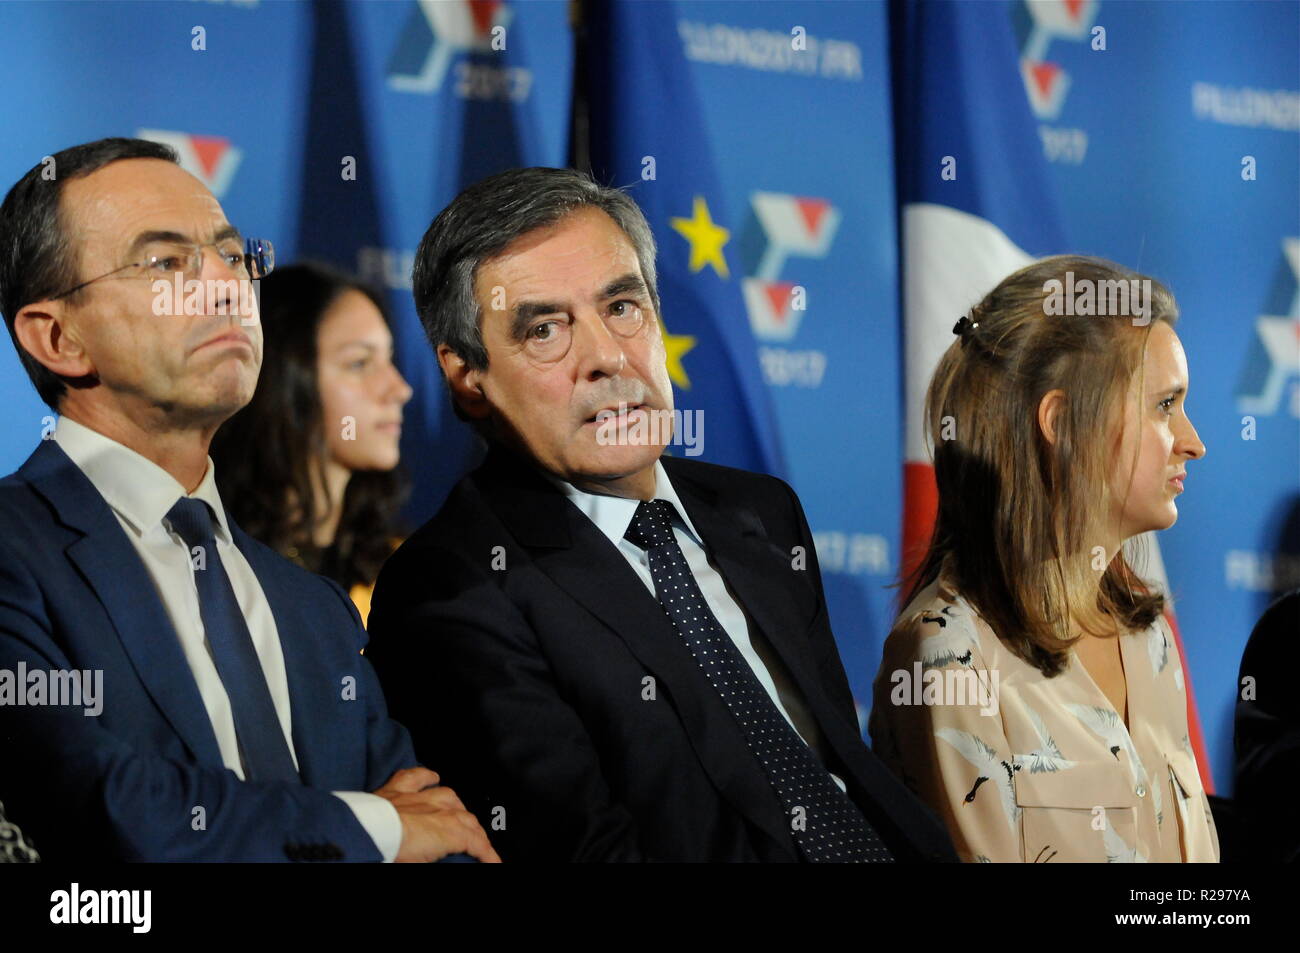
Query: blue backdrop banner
column 782, row 151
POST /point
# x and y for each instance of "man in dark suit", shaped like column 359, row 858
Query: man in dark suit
column 635, row 650
column 170, row 689
column 1266, row 739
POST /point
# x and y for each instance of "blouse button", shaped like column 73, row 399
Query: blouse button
column 1141, row 790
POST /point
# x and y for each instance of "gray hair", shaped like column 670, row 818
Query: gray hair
column 482, row 221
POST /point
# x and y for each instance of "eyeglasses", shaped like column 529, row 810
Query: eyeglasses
column 163, row 259
column 549, row 340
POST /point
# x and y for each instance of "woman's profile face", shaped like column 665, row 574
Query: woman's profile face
column 361, row 390
column 1158, row 439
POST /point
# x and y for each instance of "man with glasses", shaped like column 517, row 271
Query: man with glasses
column 175, row 690
column 635, row 647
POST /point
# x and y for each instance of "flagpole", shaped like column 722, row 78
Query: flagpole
column 579, row 104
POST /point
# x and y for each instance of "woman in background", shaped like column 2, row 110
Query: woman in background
column 1032, row 692
column 311, row 466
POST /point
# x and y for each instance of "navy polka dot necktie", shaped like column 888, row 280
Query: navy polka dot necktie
column 825, row 824
column 265, row 753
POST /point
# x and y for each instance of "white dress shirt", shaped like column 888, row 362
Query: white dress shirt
column 140, row 494
column 613, row 515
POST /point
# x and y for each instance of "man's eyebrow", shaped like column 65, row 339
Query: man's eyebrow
column 525, row 311
column 149, row 237
column 630, row 283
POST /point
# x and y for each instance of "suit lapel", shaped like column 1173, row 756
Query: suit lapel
column 118, row 578
column 569, row 549
column 304, row 666
column 759, row 574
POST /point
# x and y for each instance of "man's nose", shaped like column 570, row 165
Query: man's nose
column 217, row 277
column 599, row 351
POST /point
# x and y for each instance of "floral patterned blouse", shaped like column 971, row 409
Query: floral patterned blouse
column 1022, row 767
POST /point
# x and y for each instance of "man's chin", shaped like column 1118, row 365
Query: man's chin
column 617, row 462
column 220, row 401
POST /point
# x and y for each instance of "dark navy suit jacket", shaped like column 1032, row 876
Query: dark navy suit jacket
column 144, row 780
column 513, row 617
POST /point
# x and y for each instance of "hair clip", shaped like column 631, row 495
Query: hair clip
column 964, row 327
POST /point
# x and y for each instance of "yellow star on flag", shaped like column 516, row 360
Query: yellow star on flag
column 705, row 237
column 676, row 346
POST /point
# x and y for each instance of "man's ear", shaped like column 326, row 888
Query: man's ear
column 465, row 383
column 1048, row 409
column 44, row 331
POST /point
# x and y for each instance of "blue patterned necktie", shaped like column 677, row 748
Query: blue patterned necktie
column 261, row 738
column 825, row 824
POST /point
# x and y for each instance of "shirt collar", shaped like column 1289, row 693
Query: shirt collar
column 137, row 489
column 613, row 514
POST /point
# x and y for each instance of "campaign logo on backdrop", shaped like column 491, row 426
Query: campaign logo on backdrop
column 436, row 32
column 1274, row 358
column 792, row 226
column 1038, row 23
column 211, row 159
column 1046, row 83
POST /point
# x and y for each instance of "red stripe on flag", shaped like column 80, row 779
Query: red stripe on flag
column 920, row 504
column 1193, row 718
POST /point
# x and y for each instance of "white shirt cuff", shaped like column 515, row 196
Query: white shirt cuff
column 378, row 816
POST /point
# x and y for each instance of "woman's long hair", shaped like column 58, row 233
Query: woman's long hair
column 1018, row 514
column 270, row 457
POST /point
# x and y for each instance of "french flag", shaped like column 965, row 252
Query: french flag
column 975, row 204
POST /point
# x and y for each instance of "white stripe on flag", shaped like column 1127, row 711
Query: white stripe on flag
column 951, row 260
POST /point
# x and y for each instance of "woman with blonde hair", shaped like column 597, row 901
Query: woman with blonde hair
column 1032, row 692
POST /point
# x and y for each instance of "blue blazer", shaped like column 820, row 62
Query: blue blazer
column 144, row 780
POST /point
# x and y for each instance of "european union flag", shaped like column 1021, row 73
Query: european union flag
column 647, row 132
